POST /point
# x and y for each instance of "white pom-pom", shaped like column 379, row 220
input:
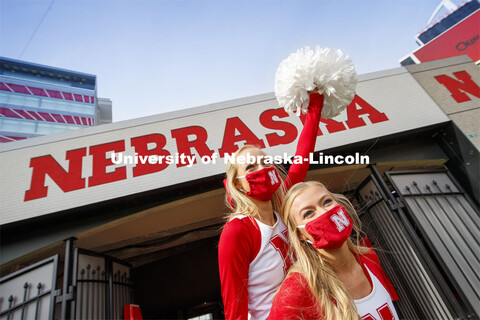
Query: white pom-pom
column 330, row 71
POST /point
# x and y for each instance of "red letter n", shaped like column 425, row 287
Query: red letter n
column 67, row 180
column 458, row 87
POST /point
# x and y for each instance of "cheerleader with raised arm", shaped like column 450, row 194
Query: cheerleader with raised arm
column 253, row 246
column 333, row 277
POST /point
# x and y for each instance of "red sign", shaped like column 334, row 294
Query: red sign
column 85, row 167
column 461, row 39
column 235, row 131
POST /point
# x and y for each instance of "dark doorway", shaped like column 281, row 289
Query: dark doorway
column 182, row 284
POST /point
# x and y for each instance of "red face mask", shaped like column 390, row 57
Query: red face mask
column 331, row 229
column 263, row 183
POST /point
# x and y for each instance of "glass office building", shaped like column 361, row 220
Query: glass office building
column 37, row 100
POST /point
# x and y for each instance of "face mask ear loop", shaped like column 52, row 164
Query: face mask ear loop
column 240, row 189
column 303, row 227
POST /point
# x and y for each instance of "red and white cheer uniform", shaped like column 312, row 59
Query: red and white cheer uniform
column 296, row 301
column 253, row 265
column 251, row 254
column 378, row 304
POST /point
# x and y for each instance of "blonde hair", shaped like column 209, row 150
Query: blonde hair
column 241, row 204
column 332, row 296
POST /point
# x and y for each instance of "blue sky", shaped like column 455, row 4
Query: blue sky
column 153, row 57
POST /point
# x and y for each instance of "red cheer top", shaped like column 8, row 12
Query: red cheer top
column 295, row 300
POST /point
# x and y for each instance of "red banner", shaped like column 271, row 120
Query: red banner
column 461, row 39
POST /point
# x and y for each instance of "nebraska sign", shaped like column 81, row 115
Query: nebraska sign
column 187, row 140
column 75, row 169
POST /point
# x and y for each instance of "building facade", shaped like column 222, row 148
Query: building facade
column 454, row 33
column 38, row 100
column 93, row 234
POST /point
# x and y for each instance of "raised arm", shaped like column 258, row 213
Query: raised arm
column 306, row 141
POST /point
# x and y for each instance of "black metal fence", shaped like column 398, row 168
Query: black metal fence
column 449, row 223
column 103, row 286
column 91, row 289
column 95, row 287
column 122, row 292
column 30, row 293
column 400, row 257
column 427, row 232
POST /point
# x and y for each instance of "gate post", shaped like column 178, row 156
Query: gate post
column 67, row 291
column 109, row 297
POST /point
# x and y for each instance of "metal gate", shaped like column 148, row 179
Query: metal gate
column 427, row 239
column 95, row 286
column 30, row 293
column 102, row 285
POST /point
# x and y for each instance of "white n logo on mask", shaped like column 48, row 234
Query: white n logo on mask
column 273, row 177
column 340, row 220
